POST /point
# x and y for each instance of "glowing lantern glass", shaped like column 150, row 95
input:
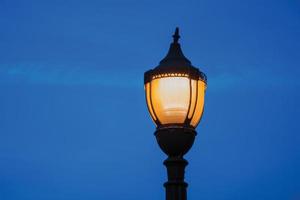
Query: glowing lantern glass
column 175, row 90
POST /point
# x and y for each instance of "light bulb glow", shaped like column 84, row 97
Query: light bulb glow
column 175, row 100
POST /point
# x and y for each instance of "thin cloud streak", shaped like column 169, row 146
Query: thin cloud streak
column 253, row 77
column 56, row 75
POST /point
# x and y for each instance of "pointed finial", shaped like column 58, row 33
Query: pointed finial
column 176, row 35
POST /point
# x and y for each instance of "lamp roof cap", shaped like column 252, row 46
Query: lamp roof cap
column 175, row 62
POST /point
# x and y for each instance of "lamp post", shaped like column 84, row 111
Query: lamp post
column 175, row 98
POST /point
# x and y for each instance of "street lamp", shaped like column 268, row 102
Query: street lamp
column 175, row 98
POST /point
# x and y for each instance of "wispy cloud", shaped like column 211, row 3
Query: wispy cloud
column 61, row 75
column 254, row 77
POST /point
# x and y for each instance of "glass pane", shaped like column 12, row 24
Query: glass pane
column 147, row 88
column 170, row 99
column 200, row 104
column 193, row 100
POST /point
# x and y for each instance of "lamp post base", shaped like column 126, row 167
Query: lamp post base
column 175, row 186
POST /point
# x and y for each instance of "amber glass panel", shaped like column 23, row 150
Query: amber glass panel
column 170, row 99
column 193, row 99
column 200, row 103
column 147, row 88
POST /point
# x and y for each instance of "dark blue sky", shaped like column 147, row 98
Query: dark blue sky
column 73, row 119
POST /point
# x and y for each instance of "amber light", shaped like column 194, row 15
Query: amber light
column 175, row 100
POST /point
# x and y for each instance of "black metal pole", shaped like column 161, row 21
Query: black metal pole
column 175, row 142
column 175, row 186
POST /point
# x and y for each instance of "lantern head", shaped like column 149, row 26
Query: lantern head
column 175, row 90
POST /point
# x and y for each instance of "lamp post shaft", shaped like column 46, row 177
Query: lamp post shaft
column 175, row 186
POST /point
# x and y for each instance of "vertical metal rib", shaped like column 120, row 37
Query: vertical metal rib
column 196, row 101
column 187, row 120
